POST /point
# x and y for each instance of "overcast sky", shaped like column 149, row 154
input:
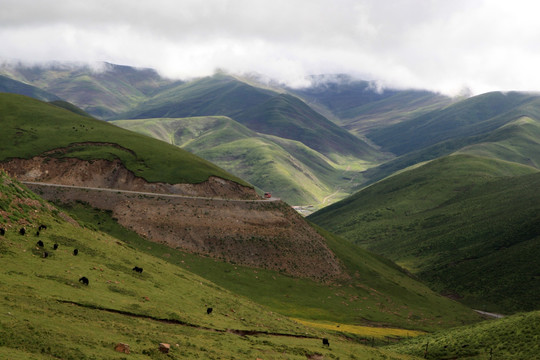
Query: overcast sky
column 442, row 45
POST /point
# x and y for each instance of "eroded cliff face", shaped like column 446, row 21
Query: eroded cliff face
column 113, row 175
column 230, row 222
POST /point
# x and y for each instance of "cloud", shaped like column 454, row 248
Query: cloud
column 439, row 45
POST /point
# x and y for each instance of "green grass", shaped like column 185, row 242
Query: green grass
column 514, row 337
column 46, row 313
column 289, row 169
column 377, row 293
column 466, row 225
column 31, row 127
column 474, row 116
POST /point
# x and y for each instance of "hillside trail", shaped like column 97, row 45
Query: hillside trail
column 146, row 193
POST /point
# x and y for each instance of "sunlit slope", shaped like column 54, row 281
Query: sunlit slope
column 48, row 313
column 511, row 136
column 31, row 127
column 373, row 290
column 467, row 225
column 514, row 337
column 287, row 168
column 471, row 117
column 259, row 109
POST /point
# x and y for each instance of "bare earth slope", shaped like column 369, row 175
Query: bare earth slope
column 267, row 234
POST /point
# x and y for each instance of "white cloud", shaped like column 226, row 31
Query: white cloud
column 434, row 44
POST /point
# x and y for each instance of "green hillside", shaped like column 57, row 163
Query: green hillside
column 102, row 91
column 474, row 116
column 48, row 313
column 516, row 140
column 259, row 109
column 8, row 85
column 467, row 225
column 31, row 127
column 361, row 106
column 288, row 169
column 514, row 337
column 375, row 292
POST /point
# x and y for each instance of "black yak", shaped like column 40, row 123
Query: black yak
column 138, row 269
column 22, row 231
column 39, row 243
column 55, row 246
column 84, row 280
column 325, row 342
column 209, row 310
column 75, row 252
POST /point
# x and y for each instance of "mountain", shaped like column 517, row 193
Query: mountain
column 219, row 225
column 509, row 133
column 467, row 225
column 287, row 168
column 363, row 106
column 8, row 85
column 103, row 90
column 474, row 116
column 261, row 110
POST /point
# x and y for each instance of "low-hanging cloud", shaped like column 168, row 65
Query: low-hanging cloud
column 438, row 45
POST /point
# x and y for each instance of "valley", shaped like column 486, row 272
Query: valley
column 421, row 208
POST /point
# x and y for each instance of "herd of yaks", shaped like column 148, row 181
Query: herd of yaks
column 84, row 280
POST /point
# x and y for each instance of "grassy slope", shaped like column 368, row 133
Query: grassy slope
column 39, row 319
column 515, row 337
column 466, row 224
column 259, row 109
column 360, row 106
column 517, row 140
column 289, row 169
column 474, row 116
column 377, row 293
column 13, row 86
column 31, row 127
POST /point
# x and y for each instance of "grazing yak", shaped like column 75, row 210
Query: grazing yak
column 55, row 246
column 2, row 231
column 40, row 243
column 84, row 280
column 22, row 231
column 137, row 269
column 209, row 310
column 45, row 254
column 42, row 227
column 325, row 342
column 75, row 252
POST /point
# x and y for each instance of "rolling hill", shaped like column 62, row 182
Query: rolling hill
column 467, row 225
column 363, row 106
column 102, row 90
column 514, row 337
column 48, row 313
column 32, row 128
column 287, row 168
column 261, row 110
column 323, row 277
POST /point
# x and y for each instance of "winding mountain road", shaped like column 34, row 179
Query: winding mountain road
column 144, row 193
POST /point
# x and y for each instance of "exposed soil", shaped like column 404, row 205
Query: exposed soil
column 264, row 234
column 113, row 174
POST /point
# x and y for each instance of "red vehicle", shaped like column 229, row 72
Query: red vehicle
column 267, row 195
